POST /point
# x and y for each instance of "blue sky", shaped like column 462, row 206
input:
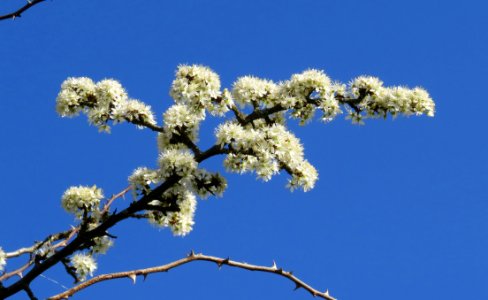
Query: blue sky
column 400, row 210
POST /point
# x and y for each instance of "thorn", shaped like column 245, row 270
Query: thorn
column 326, row 292
column 274, row 265
column 144, row 276
column 191, row 254
column 223, row 262
column 110, row 235
column 297, row 286
column 20, row 275
column 133, row 277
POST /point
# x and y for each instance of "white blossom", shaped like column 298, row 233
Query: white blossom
column 297, row 92
column 110, row 92
column 76, row 199
column 75, row 94
column 135, row 112
column 302, row 85
column 179, row 118
column 141, row 178
column 3, row 259
column 330, row 108
column 181, row 163
column 368, row 84
column 197, row 86
column 304, row 176
column 250, row 89
column 102, row 244
column 181, row 222
column 84, row 265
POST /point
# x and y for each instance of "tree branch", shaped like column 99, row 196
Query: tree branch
column 190, row 258
column 17, row 13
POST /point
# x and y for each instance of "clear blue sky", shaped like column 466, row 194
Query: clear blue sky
column 400, row 210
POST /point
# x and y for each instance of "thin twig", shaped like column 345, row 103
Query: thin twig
column 107, row 205
column 17, row 13
column 190, row 258
column 19, row 272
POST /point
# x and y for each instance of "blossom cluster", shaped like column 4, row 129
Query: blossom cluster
column 3, row 259
column 199, row 88
column 102, row 102
column 176, row 162
column 78, row 199
column 84, row 265
column 266, row 150
column 253, row 90
column 180, row 221
column 379, row 101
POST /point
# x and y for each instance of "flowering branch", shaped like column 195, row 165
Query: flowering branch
column 191, row 258
column 258, row 141
column 17, row 13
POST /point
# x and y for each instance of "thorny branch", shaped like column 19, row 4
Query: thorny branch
column 191, row 258
column 18, row 12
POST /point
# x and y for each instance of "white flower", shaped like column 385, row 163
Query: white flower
column 133, row 111
column 181, row 222
column 304, row 176
column 229, row 132
column 102, row 244
column 179, row 116
column 330, row 108
column 195, row 86
column 302, row 85
column 141, row 178
column 76, row 199
column 371, row 85
column 3, row 259
column 297, row 92
column 181, row 163
column 109, row 92
column 249, row 89
column 75, row 94
column 84, row 265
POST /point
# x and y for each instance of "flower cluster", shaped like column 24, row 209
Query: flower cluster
column 253, row 90
column 84, row 265
column 102, row 244
column 199, row 88
column 107, row 100
column 180, row 119
column 3, row 259
column 142, row 178
column 176, row 162
column 78, row 199
column 265, row 150
column 180, row 221
column 379, row 101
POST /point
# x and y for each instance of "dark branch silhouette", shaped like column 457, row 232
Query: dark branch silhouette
column 18, row 13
